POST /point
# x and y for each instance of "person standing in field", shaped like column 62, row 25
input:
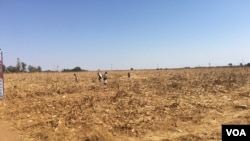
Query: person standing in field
column 99, row 76
column 128, row 74
column 105, row 78
column 76, row 78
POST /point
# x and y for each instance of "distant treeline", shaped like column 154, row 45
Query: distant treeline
column 21, row 67
column 229, row 65
column 248, row 64
column 76, row 69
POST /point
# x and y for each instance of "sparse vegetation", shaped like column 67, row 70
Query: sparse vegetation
column 181, row 104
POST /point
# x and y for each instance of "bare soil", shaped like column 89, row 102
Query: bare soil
column 152, row 105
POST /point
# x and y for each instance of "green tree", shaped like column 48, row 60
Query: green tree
column 39, row 69
column 77, row 69
column 23, row 67
column 11, row 69
column 32, row 68
column 18, row 65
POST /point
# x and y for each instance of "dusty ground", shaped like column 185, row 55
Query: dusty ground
column 153, row 105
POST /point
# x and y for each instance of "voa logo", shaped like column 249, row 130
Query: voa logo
column 236, row 132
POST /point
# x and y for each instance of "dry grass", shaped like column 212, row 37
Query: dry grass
column 164, row 105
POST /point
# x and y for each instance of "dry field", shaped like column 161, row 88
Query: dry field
column 153, row 105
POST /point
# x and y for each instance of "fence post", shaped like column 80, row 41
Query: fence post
column 1, row 78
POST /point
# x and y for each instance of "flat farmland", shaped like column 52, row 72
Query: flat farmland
column 151, row 105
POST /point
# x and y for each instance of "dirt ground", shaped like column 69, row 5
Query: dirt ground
column 152, row 105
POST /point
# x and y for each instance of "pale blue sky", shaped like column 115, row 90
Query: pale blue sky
column 142, row 34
